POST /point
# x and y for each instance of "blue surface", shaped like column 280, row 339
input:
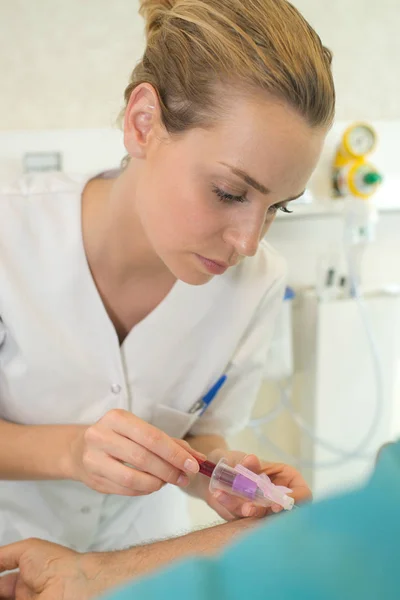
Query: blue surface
column 345, row 548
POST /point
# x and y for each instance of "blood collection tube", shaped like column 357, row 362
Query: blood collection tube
column 227, row 479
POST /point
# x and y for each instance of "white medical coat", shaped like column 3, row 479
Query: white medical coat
column 61, row 362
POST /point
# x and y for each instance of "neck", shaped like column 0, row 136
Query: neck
column 114, row 239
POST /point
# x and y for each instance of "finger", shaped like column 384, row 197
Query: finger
column 153, row 439
column 272, row 469
column 241, row 508
column 24, row 592
column 251, row 462
column 230, row 503
column 10, row 555
column 219, row 500
column 301, row 494
column 7, row 586
column 250, row 510
column 292, row 479
column 189, row 448
column 126, row 478
column 130, row 452
column 288, row 476
column 105, row 486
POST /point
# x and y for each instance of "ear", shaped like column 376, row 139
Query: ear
column 142, row 119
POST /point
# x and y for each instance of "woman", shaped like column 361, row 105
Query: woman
column 124, row 298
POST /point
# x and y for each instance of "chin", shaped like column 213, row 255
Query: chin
column 191, row 276
column 195, row 278
column 188, row 271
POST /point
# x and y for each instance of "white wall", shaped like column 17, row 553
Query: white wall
column 65, row 64
column 364, row 37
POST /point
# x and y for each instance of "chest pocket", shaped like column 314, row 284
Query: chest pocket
column 173, row 422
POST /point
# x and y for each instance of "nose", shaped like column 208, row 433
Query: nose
column 245, row 235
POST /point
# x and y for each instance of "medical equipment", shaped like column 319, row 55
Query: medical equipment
column 356, row 180
column 285, row 403
column 243, row 483
column 353, row 175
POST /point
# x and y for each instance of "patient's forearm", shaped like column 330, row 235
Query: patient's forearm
column 204, row 542
column 112, row 568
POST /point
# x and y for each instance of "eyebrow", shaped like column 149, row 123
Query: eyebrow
column 255, row 184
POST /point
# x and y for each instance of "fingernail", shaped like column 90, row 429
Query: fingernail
column 221, row 497
column 249, row 511
column 191, row 465
column 183, row 480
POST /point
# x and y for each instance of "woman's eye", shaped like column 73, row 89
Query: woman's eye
column 228, row 198
column 275, row 207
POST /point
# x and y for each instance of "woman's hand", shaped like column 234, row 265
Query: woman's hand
column 122, row 454
column 231, row 507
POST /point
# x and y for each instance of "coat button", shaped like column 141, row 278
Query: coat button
column 116, row 388
column 85, row 510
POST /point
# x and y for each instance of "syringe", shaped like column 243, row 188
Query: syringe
column 241, row 482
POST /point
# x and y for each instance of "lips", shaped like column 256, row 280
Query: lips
column 213, row 266
column 218, row 263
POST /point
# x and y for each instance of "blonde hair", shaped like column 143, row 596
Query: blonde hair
column 248, row 45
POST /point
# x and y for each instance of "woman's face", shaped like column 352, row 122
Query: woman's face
column 206, row 199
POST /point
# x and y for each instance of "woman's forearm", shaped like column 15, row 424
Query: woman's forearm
column 34, row 452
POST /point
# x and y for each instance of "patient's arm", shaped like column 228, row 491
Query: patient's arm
column 143, row 559
column 52, row 571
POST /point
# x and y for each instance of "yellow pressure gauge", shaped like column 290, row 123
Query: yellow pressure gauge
column 352, row 174
column 359, row 140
